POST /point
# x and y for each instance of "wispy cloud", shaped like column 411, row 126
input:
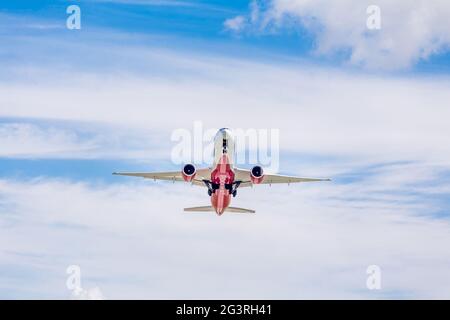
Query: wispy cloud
column 235, row 24
column 193, row 4
column 360, row 116
column 152, row 2
column 339, row 227
column 53, row 139
column 410, row 30
column 21, row 139
column 383, row 140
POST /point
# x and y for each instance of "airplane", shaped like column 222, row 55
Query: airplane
column 222, row 179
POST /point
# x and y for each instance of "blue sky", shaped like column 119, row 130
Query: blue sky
column 367, row 108
column 195, row 25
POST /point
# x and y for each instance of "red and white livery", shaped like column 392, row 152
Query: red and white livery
column 222, row 179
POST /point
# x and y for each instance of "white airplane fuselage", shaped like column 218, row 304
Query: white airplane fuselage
column 222, row 174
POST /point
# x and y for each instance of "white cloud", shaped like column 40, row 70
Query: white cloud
column 24, row 139
column 235, row 24
column 134, row 241
column 410, row 30
column 318, row 111
column 241, row 22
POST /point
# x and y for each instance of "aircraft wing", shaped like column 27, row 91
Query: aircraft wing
column 244, row 176
column 170, row 175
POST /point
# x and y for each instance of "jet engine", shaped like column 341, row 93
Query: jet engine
column 188, row 172
column 256, row 175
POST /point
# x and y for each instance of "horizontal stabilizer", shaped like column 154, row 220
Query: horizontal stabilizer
column 200, row 209
column 211, row 209
column 239, row 210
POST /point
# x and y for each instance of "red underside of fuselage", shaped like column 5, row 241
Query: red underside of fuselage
column 222, row 175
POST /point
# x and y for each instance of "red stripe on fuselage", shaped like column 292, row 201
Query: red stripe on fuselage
column 222, row 175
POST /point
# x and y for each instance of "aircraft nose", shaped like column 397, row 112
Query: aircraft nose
column 225, row 132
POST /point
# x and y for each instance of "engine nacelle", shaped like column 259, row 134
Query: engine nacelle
column 188, row 172
column 257, row 175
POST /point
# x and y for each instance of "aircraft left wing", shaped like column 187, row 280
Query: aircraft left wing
column 169, row 175
column 244, row 176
